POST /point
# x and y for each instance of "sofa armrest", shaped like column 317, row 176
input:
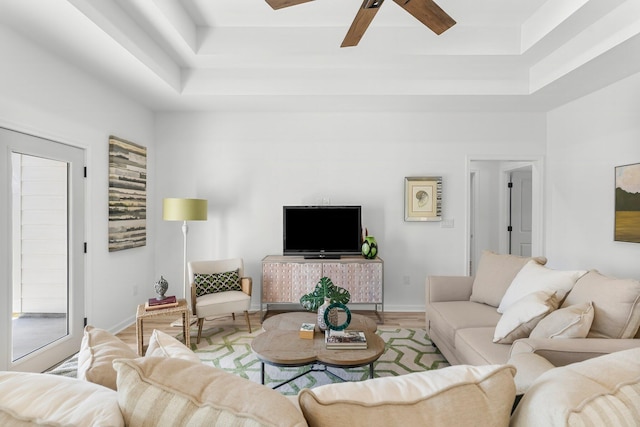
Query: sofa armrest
column 529, row 366
column 561, row 352
column 448, row 288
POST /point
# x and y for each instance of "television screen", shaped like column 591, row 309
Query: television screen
column 322, row 231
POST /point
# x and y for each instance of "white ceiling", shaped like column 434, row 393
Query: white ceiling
column 240, row 55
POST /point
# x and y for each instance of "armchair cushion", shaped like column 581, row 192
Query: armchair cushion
column 217, row 282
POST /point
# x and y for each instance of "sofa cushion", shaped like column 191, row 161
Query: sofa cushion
column 28, row 399
column 603, row 391
column 534, row 277
column 457, row 395
column 569, row 322
column 475, row 346
column 449, row 316
column 494, row 275
column 174, row 392
column 522, row 316
column 97, row 351
column 164, row 345
column 616, row 304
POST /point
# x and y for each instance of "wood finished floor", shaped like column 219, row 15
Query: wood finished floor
column 163, row 323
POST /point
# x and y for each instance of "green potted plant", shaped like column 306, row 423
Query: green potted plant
column 324, row 294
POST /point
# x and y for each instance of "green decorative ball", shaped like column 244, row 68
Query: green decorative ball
column 369, row 247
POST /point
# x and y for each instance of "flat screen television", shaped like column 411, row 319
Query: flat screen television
column 321, row 231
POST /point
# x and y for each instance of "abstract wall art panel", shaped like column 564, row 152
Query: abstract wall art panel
column 127, row 195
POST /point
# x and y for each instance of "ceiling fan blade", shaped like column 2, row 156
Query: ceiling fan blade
column 361, row 22
column 280, row 4
column 429, row 13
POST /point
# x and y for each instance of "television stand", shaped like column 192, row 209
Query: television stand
column 329, row 256
column 287, row 278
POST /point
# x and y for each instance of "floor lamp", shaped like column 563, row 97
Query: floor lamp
column 184, row 210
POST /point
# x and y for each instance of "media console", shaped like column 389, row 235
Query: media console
column 285, row 279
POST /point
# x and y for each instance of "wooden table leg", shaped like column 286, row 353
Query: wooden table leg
column 185, row 329
column 140, row 336
column 371, row 370
column 262, row 373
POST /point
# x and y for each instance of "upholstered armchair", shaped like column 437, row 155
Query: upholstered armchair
column 219, row 287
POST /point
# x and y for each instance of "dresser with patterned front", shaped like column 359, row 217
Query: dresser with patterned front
column 287, row 278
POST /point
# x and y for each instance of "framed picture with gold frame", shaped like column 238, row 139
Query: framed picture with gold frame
column 423, row 198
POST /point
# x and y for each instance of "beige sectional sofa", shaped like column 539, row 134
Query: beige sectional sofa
column 169, row 386
column 463, row 319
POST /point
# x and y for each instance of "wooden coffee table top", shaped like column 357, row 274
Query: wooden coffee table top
column 281, row 345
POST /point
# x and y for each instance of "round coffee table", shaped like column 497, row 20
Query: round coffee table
column 280, row 345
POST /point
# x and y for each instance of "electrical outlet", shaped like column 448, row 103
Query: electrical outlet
column 406, row 280
column 447, row 223
column 326, row 201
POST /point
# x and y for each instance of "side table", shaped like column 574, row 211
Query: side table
column 142, row 313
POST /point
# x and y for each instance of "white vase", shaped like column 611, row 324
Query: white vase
column 333, row 315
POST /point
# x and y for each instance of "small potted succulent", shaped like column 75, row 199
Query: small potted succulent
column 324, row 294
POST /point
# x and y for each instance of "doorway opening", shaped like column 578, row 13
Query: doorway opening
column 503, row 217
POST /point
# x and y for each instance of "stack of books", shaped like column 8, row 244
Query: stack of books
column 157, row 304
column 345, row 340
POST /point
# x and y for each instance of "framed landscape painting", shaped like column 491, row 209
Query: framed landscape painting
column 127, row 195
column 423, row 198
column 627, row 219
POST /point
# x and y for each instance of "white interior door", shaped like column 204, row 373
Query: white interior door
column 43, row 274
column 521, row 212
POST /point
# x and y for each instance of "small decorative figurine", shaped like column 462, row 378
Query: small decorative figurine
column 161, row 287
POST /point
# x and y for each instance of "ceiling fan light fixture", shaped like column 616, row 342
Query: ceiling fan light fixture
column 372, row 4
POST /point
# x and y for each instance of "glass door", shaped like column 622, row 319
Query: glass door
column 45, row 258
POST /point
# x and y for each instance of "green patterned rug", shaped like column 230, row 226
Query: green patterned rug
column 229, row 348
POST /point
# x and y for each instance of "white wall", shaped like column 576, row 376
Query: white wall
column 587, row 139
column 249, row 165
column 43, row 96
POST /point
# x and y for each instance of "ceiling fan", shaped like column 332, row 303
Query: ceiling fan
column 425, row 11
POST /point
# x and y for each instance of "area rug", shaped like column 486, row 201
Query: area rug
column 229, row 348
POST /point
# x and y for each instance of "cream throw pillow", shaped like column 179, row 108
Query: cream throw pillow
column 534, row 277
column 97, row 351
column 569, row 322
column 154, row 391
column 603, row 391
column 520, row 319
column 164, row 345
column 28, row 399
column 494, row 275
column 616, row 304
column 457, row 395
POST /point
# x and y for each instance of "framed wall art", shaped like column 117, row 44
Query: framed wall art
column 423, row 198
column 127, row 195
column 627, row 203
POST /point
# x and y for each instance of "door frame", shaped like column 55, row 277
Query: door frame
column 537, row 214
column 25, row 143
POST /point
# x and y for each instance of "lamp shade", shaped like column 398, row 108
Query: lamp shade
column 184, row 209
